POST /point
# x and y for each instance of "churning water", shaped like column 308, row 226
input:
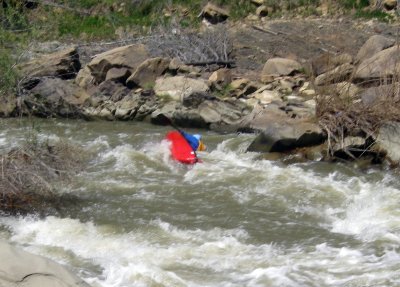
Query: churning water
column 141, row 219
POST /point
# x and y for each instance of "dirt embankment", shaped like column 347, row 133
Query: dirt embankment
column 300, row 39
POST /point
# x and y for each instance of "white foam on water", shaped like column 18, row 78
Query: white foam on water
column 165, row 255
column 98, row 143
column 370, row 214
column 343, row 204
column 132, row 259
column 162, row 254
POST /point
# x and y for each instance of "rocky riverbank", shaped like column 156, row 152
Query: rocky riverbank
column 254, row 77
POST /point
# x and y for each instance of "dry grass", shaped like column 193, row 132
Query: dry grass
column 213, row 46
column 28, row 174
column 346, row 116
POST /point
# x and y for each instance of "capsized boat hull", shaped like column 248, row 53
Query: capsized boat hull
column 180, row 149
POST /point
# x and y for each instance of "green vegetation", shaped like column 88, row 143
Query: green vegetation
column 92, row 20
column 376, row 14
column 8, row 75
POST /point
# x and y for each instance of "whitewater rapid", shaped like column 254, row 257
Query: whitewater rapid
column 141, row 219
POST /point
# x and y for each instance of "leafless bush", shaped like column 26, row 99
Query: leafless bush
column 28, row 173
column 214, row 46
column 347, row 116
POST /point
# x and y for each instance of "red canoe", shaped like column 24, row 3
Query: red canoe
column 180, row 148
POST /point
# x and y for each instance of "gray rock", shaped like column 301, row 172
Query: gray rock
column 372, row 46
column 220, row 78
column 242, row 88
column 20, row 268
column 84, row 78
column 351, row 145
column 107, row 91
column 62, row 64
column 371, row 96
column 280, row 67
column 118, row 75
column 127, row 108
column 55, row 97
column 388, row 140
column 384, row 64
column 178, row 87
column 222, row 112
column 129, row 57
column 282, row 134
column 146, row 74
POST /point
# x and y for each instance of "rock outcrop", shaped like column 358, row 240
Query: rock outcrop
column 128, row 57
column 63, row 64
column 55, row 97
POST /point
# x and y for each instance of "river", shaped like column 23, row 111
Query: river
column 141, row 219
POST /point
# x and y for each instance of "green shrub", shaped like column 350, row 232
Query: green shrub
column 8, row 76
column 354, row 4
column 376, row 14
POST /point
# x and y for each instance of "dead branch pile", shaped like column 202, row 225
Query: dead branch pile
column 28, row 174
column 342, row 117
column 211, row 47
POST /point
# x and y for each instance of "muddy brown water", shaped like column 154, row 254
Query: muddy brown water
column 141, row 219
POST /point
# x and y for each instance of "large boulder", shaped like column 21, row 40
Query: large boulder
column 62, row 64
column 280, row 67
column 179, row 87
column 282, row 134
column 55, row 97
column 384, row 64
column 372, row 46
column 147, row 72
column 129, row 57
column 20, row 268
